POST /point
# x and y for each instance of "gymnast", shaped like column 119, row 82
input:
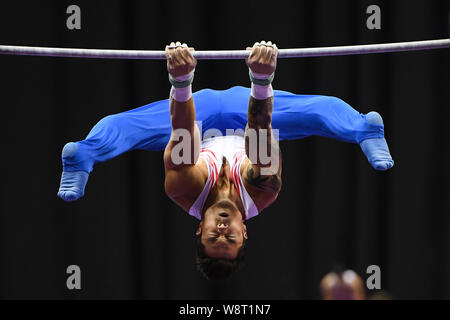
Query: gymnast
column 218, row 180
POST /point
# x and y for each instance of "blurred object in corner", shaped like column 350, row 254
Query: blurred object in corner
column 345, row 285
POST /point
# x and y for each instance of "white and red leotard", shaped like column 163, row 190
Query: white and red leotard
column 212, row 151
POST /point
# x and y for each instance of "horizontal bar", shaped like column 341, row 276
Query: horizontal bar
column 225, row 55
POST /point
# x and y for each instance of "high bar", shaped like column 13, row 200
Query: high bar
column 225, row 54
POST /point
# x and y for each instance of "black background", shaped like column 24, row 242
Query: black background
column 131, row 242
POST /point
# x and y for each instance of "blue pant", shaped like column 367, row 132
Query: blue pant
column 149, row 127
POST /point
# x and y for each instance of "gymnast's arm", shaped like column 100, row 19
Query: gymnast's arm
column 262, row 170
column 185, row 177
column 262, row 179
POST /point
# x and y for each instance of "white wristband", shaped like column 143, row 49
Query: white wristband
column 182, row 94
column 261, row 92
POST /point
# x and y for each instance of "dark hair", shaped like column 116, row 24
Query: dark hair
column 218, row 269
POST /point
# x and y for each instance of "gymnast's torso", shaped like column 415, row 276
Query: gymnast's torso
column 222, row 162
column 224, row 157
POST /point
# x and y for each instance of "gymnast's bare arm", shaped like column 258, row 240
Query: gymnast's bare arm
column 185, row 174
column 263, row 187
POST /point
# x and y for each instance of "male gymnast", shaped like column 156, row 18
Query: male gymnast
column 218, row 180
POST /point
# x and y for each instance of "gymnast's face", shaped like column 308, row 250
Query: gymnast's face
column 222, row 230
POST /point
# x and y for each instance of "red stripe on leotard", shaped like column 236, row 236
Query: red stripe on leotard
column 210, row 156
column 235, row 175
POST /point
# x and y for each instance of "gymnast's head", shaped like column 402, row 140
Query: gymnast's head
column 221, row 238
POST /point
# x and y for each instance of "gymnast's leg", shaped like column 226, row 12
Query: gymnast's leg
column 147, row 128
column 300, row 116
column 110, row 137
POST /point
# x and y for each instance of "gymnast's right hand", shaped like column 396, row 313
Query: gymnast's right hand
column 180, row 61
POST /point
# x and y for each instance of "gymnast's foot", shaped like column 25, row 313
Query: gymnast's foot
column 376, row 150
column 72, row 182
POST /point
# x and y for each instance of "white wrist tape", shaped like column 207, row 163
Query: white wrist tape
column 182, row 94
column 261, row 92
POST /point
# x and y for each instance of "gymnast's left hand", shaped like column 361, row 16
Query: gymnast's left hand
column 263, row 58
column 180, row 60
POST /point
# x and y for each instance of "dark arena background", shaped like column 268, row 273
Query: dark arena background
column 126, row 236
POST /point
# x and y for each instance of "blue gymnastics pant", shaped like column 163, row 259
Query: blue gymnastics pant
column 149, row 127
